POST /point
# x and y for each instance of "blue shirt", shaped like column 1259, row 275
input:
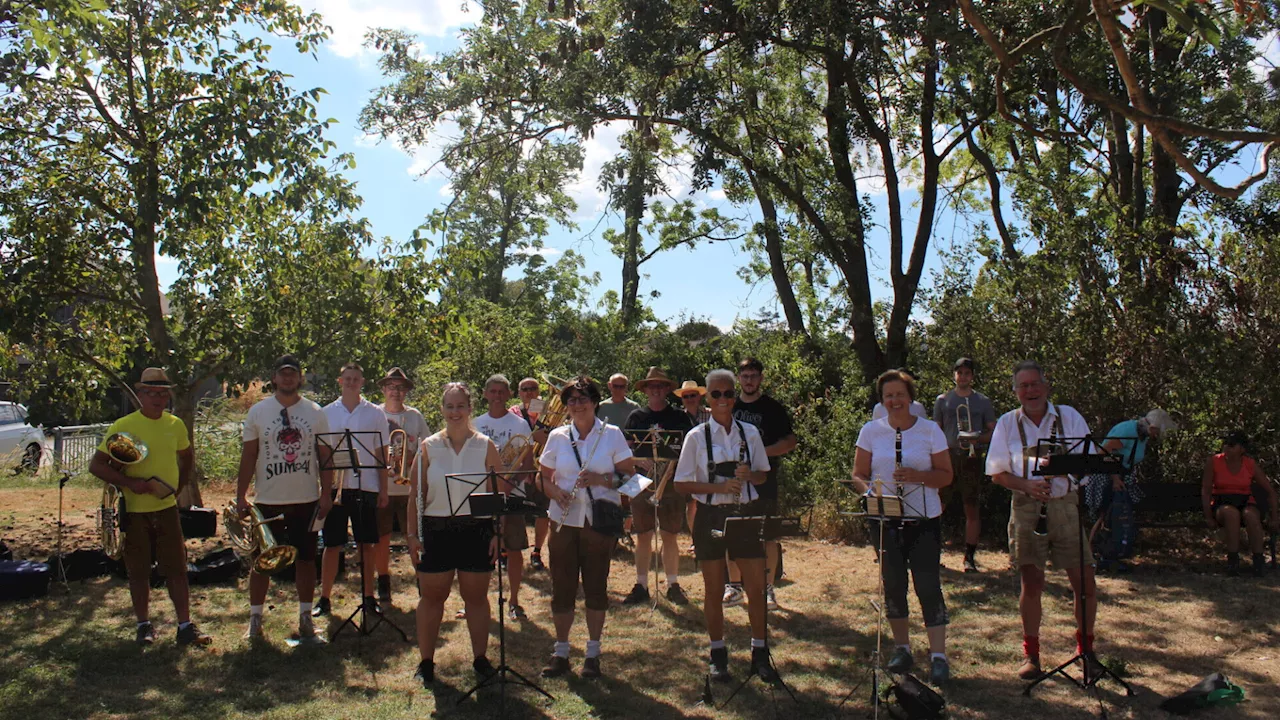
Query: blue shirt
column 1127, row 433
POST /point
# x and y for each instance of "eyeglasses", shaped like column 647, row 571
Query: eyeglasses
column 154, row 393
column 577, row 400
column 396, row 386
column 690, row 396
column 284, row 417
column 717, row 394
column 529, row 388
column 618, row 386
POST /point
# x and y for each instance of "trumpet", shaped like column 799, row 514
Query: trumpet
column 399, row 443
column 964, row 428
column 250, row 537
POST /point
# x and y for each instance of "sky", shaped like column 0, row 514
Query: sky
column 398, row 196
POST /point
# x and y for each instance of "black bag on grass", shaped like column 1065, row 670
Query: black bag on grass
column 1212, row 691
column 24, row 579
column 217, row 567
column 913, row 700
column 83, row 564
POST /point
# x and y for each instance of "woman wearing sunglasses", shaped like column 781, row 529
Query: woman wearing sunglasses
column 1230, row 488
column 721, row 463
column 579, row 466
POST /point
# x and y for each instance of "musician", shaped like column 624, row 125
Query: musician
column 618, row 407
column 910, row 456
column 529, row 389
column 1232, row 483
column 667, row 517
column 774, row 422
column 579, row 464
column 364, row 491
column 279, row 458
column 501, row 425
column 968, row 458
column 150, row 524
column 691, row 394
column 1011, row 467
column 723, row 464
column 396, row 386
column 448, row 542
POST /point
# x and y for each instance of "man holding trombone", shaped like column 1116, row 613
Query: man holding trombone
column 967, row 419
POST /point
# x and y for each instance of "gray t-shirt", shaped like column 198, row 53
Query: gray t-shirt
column 981, row 413
column 616, row 413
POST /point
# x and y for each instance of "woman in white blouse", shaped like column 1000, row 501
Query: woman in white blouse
column 445, row 540
column 909, row 455
column 579, row 466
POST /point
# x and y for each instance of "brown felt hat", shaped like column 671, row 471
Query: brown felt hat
column 654, row 375
column 395, row 374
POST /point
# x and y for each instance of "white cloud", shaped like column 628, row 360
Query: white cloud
column 546, row 252
column 351, row 19
column 599, row 149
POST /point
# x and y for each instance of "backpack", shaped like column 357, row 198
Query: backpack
column 1212, row 691
column 913, row 700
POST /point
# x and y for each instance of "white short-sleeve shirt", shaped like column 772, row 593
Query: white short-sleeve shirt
column 500, row 430
column 366, row 418
column 726, row 446
column 919, row 443
column 1006, row 456
column 288, row 470
column 599, row 457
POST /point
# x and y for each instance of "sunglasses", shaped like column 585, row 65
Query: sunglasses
column 690, row 396
column 284, row 417
column 154, row 393
column 717, row 394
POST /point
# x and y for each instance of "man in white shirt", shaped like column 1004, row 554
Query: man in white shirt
column 501, row 425
column 280, row 459
column 396, row 386
column 1010, row 464
column 363, row 490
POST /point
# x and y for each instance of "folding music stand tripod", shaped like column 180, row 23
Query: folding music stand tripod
column 494, row 505
column 659, row 445
column 745, row 532
column 345, row 455
column 1078, row 461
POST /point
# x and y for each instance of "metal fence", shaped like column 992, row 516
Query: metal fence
column 74, row 445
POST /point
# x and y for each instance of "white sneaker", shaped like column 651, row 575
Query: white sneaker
column 733, row 595
column 770, row 601
column 255, row 628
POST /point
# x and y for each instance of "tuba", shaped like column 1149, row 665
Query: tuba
column 554, row 411
column 110, row 519
column 250, row 537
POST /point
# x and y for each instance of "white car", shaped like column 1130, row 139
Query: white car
column 20, row 444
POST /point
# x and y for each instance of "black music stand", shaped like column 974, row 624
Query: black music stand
column 345, row 455
column 1079, row 461
column 883, row 510
column 496, row 506
column 745, row 532
column 656, row 444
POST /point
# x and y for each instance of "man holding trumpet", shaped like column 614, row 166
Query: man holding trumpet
column 396, row 386
column 1044, row 522
column 967, row 419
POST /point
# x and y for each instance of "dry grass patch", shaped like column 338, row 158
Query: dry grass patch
column 71, row 655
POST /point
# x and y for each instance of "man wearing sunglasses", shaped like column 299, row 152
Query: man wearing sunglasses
column 618, row 407
column 151, row 525
column 280, row 460
column 774, row 422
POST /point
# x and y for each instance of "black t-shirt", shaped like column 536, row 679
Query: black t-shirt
column 668, row 418
column 774, row 422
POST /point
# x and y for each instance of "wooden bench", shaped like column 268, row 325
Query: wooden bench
column 1178, row 505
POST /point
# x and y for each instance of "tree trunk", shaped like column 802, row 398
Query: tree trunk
column 634, row 206
column 777, row 261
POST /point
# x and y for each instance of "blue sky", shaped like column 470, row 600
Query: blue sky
column 397, row 197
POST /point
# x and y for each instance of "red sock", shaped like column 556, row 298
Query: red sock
column 1084, row 646
column 1031, row 646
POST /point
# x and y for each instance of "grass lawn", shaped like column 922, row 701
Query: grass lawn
column 71, row 655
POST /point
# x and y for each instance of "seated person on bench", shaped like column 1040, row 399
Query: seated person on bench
column 1231, row 479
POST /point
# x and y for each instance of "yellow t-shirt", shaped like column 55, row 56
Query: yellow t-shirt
column 164, row 438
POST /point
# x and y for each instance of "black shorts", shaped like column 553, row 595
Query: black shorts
column 293, row 527
column 361, row 507
column 461, row 544
column 712, row 517
column 1239, row 502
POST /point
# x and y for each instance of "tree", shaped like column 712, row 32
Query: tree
column 134, row 130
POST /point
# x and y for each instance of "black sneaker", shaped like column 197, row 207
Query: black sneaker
column 591, row 667
column 515, row 613
column 535, row 562
column 146, row 634
column 189, row 634
column 322, row 608
column 638, row 594
column 762, row 665
column 676, row 595
column 900, row 662
column 1233, row 564
column 426, row 672
column 720, row 665
column 483, row 667
column 556, row 666
column 970, row 565
column 384, row 588
column 1259, row 564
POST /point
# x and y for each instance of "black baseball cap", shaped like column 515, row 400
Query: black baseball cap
column 963, row 362
column 287, row 361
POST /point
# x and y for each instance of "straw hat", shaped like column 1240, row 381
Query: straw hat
column 654, row 375
column 153, row 377
column 690, row 385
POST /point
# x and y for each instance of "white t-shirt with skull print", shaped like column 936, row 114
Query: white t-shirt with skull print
column 288, row 469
